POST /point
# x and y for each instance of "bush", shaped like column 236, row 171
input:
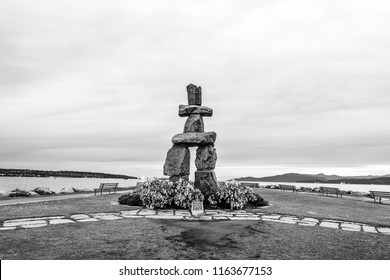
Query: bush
column 20, row 193
column 160, row 193
column 131, row 199
column 260, row 201
column 232, row 196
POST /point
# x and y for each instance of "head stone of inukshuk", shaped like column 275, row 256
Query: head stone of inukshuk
column 177, row 163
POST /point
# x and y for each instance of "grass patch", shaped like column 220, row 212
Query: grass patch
column 93, row 204
column 145, row 239
column 171, row 239
column 318, row 206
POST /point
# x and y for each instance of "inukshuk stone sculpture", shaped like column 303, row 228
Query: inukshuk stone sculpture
column 177, row 163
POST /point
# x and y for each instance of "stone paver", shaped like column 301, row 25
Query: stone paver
column 7, row 228
column 61, row 221
column 147, row 212
column 241, row 218
column 289, row 219
column 35, row 226
column 384, row 230
column 206, row 218
column 220, row 218
column 162, row 217
column 88, row 220
column 369, row 229
column 107, row 217
column 307, row 224
column 223, row 215
column 271, row 217
column 132, row 216
column 80, row 216
column 182, row 213
column 329, row 225
column 310, row 222
column 245, row 215
column 333, row 221
column 165, row 213
column 25, row 223
column 34, row 219
column 130, row 212
column 350, row 226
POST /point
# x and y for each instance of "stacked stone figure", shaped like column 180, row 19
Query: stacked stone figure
column 177, row 163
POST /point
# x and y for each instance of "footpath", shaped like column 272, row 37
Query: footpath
column 208, row 216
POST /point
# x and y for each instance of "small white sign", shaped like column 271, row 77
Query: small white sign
column 197, row 208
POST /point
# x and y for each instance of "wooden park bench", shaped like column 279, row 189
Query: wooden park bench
column 107, row 187
column 380, row 195
column 287, row 187
column 328, row 190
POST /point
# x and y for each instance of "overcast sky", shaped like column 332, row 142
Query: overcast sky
column 296, row 86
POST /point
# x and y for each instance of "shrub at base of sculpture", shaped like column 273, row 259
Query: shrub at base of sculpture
column 132, row 199
column 159, row 193
column 234, row 196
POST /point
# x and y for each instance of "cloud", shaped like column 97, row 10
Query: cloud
column 292, row 83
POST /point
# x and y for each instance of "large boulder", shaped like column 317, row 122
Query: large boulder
column 195, row 138
column 206, row 158
column 177, row 162
column 43, row 191
column 67, row 190
column 194, row 95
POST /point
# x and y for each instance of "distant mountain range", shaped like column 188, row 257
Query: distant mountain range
column 70, row 174
column 321, row 178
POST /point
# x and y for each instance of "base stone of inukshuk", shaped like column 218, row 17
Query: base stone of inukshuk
column 206, row 181
column 177, row 163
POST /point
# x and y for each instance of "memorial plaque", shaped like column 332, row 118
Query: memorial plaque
column 197, row 208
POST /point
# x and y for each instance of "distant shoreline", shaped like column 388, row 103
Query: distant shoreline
column 60, row 174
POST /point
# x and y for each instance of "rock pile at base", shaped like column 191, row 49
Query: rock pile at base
column 177, row 163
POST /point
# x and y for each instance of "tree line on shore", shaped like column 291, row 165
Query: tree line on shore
column 50, row 173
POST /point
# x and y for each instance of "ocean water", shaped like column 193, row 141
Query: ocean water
column 58, row 183
column 344, row 187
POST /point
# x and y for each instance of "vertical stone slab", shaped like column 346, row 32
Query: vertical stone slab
column 194, row 123
column 206, row 158
column 194, row 95
column 177, row 162
column 205, row 181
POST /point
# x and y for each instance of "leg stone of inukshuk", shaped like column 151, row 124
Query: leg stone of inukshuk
column 206, row 181
column 205, row 178
column 177, row 163
column 206, row 158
